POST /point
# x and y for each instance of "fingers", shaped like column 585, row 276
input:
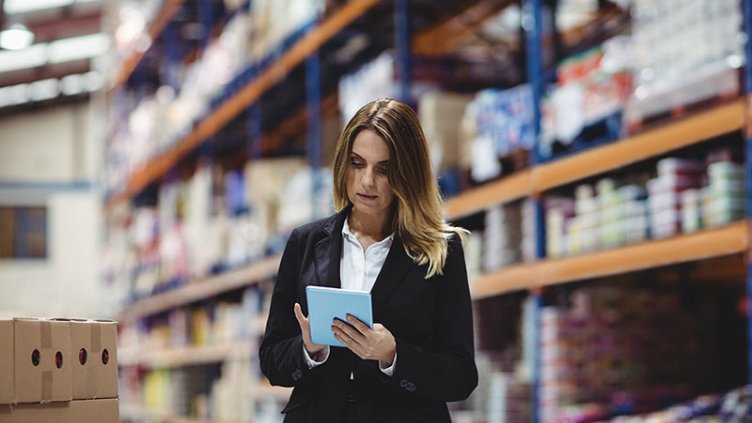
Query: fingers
column 357, row 324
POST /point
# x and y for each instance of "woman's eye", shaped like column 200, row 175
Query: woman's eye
column 356, row 164
column 383, row 170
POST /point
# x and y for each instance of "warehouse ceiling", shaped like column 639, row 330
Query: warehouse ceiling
column 67, row 36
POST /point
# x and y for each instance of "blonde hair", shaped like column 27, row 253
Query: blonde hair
column 417, row 212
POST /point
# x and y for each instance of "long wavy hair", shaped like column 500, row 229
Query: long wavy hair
column 417, row 212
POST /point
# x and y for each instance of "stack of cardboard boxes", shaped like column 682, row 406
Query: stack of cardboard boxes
column 58, row 371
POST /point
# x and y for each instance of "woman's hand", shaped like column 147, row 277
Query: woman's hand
column 369, row 344
column 305, row 328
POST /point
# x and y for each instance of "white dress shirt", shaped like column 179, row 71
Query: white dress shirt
column 358, row 270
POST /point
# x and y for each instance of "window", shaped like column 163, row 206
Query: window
column 23, row 232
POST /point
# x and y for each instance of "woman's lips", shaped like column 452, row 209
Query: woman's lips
column 368, row 197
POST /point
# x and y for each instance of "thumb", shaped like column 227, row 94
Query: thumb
column 299, row 313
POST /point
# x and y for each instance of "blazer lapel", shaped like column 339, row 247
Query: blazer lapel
column 395, row 267
column 329, row 251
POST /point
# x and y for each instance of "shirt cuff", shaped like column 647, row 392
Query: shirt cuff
column 318, row 360
column 389, row 370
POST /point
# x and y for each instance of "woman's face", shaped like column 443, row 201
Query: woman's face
column 367, row 184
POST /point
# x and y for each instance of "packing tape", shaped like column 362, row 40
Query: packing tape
column 96, row 337
column 46, row 386
column 95, row 334
column 46, row 334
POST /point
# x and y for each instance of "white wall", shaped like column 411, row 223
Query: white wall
column 41, row 155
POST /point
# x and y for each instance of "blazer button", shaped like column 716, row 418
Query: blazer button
column 296, row 375
column 411, row 387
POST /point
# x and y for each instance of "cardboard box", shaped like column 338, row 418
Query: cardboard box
column 7, row 393
column 94, row 354
column 40, row 362
column 99, row 411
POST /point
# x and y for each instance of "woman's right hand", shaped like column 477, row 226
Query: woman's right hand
column 305, row 328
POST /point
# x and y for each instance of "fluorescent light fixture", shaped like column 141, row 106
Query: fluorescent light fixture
column 31, row 57
column 71, row 84
column 46, row 89
column 77, row 48
column 16, row 37
column 19, row 94
column 23, row 6
column 93, row 81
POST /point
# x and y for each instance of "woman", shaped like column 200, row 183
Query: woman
column 388, row 238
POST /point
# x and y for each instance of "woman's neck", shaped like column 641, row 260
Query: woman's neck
column 374, row 227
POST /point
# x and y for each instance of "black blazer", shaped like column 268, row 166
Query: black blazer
column 431, row 320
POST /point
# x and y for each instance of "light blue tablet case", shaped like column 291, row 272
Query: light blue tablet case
column 325, row 303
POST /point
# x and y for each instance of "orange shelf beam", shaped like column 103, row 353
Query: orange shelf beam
column 186, row 356
column 169, row 8
column 711, row 243
column 248, row 95
column 683, row 133
column 515, row 278
column 203, row 288
column 509, row 188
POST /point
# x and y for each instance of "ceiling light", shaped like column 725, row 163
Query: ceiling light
column 31, row 57
column 16, row 37
column 23, row 6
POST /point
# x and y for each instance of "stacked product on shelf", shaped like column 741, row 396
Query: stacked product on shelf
column 182, row 383
column 439, row 113
column 674, row 177
column 58, row 371
column 586, row 105
column 497, row 124
column 733, row 406
column 685, row 52
column 212, row 222
column 146, row 125
column 685, row 196
column 616, row 350
column 502, row 236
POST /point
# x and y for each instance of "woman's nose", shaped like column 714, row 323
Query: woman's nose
column 368, row 177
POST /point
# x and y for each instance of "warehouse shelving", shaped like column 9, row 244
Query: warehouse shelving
column 202, row 288
column 710, row 243
column 161, row 19
column 185, row 356
column 731, row 240
column 246, row 96
column 652, row 143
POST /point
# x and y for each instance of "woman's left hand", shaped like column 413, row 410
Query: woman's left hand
column 369, row 344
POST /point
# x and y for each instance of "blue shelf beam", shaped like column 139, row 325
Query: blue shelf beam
column 747, row 5
column 532, row 24
column 313, row 100
column 402, row 48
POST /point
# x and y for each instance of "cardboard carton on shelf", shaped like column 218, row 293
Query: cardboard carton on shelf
column 35, row 365
column 100, row 411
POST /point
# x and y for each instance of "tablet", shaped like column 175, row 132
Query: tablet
column 325, row 303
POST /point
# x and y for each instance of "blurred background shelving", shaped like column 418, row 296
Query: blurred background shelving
column 596, row 149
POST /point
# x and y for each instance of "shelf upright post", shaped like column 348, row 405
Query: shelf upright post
column 253, row 116
column 313, row 100
column 532, row 24
column 402, row 48
column 206, row 17
column 747, row 5
column 172, row 43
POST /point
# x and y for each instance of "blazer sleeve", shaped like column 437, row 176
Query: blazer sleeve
column 281, row 350
column 446, row 372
